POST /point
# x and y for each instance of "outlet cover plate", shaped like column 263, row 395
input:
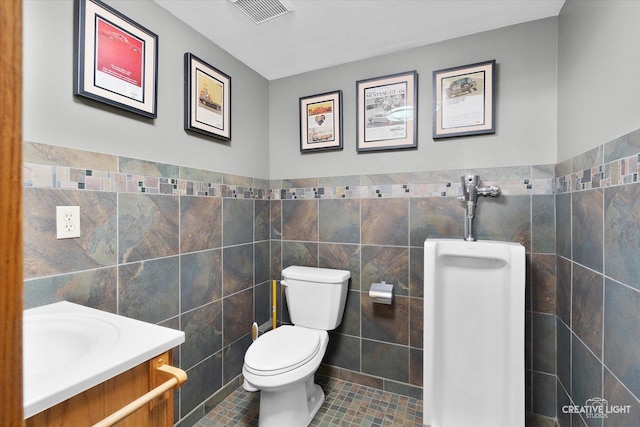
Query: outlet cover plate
column 67, row 222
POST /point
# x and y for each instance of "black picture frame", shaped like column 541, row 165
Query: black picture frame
column 115, row 59
column 321, row 122
column 463, row 100
column 387, row 111
column 207, row 99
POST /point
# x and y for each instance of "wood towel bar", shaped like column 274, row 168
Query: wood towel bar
column 177, row 378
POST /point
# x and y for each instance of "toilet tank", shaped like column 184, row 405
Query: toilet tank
column 315, row 296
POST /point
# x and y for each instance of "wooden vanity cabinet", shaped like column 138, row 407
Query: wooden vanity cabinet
column 97, row 403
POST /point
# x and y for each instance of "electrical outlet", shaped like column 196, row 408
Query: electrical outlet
column 67, row 222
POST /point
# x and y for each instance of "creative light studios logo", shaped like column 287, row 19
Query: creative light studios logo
column 596, row 407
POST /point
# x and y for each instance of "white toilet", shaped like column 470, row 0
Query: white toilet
column 282, row 363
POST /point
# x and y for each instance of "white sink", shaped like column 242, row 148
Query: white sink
column 69, row 348
column 55, row 342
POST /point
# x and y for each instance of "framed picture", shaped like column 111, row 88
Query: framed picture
column 115, row 59
column 207, row 99
column 386, row 108
column 321, row 122
column 463, row 100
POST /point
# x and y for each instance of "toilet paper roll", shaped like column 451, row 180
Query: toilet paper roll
column 381, row 293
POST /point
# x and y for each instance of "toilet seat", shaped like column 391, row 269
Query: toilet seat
column 282, row 350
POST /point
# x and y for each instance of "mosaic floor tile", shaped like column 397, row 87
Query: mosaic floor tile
column 346, row 404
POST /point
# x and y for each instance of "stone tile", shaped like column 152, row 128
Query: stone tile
column 148, row 226
column 618, row 396
column 544, row 394
column 203, row 333
column 204, row 379
column 96, row 288
column 201, row 175
column 435, row 217
column 233, row 358
column 238, row 310
column 299, row 253
column 416, row 320
column 543, row 233
column 416, row 272
column 588, row 159
column 622, row 334
column 385, row 360
column 586, row 307
column 340, row 352
column 563, row 290
column 45, row 255
column 351, row 319
column 587, row 219
column 339, row 220
column 543, row 343
column 62, row 156
column 237, row 221
column 237, row 269
column 341, row 257
column 300, row 220
column 563, row 346
column 543, row 283
column 262, row 260
column 148, row 168
column 622, row 234
column 149, row 290
column 262, row 220
column 563, row 225
column 626, row 145
column 200, row 223
column 382, row 322
column 416, row 367
column 586, row 374
column 275, row 220
column 389, row 264
column 200, row 278
column 504, row 218
column 385, row 222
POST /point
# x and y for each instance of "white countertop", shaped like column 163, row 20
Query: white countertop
column 78, row 347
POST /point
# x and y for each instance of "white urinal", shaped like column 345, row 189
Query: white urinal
column 473, row 333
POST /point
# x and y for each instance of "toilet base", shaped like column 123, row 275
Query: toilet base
column 293, row 406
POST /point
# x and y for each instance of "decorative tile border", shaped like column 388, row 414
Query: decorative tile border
column 440, row 189
column 617, row 172
column 518, row 180
column 63, row 177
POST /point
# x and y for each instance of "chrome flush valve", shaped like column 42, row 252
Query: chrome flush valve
column 470, row 192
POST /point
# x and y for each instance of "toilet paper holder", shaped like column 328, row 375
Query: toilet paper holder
column 381, row 293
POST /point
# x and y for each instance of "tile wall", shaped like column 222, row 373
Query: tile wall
column 171, row 245
column 195, row 250
column 598, row 287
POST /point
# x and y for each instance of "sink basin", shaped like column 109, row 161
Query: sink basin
column 69, row 348
column 59, row 340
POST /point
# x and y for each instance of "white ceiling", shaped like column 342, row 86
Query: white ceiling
column 322, row 33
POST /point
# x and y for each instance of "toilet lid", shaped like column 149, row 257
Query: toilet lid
column 281, row 350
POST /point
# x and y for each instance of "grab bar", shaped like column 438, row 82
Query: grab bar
column 178, row 377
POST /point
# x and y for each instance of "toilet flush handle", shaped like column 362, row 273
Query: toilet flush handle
column 284, row 283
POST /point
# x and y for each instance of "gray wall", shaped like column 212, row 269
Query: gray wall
column 525, row 107
column 53, row 116
column 598, row 61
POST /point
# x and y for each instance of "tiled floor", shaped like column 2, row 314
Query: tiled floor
column 346, row 404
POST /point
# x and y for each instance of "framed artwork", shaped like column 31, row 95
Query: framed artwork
column 321, row 122
column 386, row 108
column 115, row 59
column 207, row 99
column 463, row 100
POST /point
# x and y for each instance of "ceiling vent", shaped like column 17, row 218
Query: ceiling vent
column 261, row 10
